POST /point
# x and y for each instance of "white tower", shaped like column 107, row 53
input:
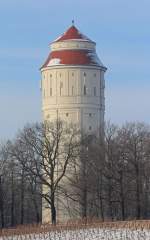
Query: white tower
column 73, row 82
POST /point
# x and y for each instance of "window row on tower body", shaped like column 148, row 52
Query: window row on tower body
column 72, row 83
column 50, row 92
column 89, row 117
column 55, row 74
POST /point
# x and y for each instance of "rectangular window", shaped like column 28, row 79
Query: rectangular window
column 50, row 87
column 94, row 91
column 72, row 90
column 50, row 91
column 61, row 86
column 85, row 90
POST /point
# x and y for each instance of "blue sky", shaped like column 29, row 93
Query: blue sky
column 121, row 29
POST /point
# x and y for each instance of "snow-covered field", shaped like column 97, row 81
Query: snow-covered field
column 86, row 234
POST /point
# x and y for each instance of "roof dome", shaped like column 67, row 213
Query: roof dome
column 73, row 48
column 72, row 34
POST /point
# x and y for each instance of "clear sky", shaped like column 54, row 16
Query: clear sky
column 121, row 29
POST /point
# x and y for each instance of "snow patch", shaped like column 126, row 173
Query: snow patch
column 86, row 234
column 76, row 39
column 57, row 39
column 84, row 36
column 54, row 61
column 81, row 38
column 95, row 58
column 60, row 36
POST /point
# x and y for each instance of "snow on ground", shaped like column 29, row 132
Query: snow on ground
column 86, row 234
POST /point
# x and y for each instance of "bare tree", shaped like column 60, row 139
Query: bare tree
column 135, row 139
column 104, row 178
column 3, row 172
column 46, row 150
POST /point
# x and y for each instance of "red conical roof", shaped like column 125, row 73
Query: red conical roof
column 73, row 56
column 72, row 33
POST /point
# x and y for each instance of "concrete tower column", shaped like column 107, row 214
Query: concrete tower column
column 73, row 82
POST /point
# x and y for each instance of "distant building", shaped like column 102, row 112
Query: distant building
column 73, row 82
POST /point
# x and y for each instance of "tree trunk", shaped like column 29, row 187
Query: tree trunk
column 84, row 187
column 36, row 208
column 22, row 199
column 1, row 204
column 12, row 199
column 84, row 203
column 99, row 194
column 101, row 207
column 110, row 201
column 138, row 204
column 122, row 197
column 53, row 210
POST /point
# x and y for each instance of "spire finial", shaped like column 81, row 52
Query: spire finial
column 73, row 22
